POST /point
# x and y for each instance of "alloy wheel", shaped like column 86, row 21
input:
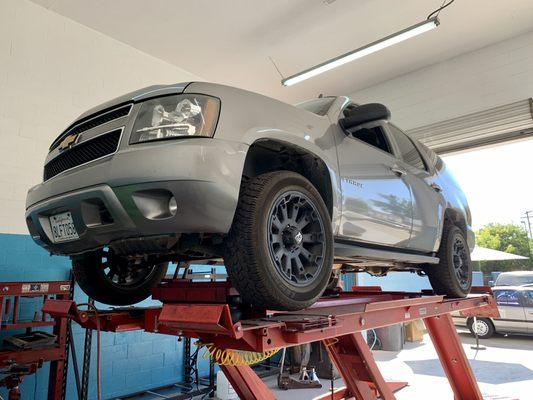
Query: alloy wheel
column 296, row 238
column 125, row 273
column 460, row 262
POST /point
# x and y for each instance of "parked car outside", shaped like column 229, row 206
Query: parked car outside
column 515, row 304
column 200, row 171
column 514, row 278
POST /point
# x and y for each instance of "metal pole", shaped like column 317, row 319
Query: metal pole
column 187, row 370
column 530, row 233
column 75, row 361
column 212, row 382
column 529, row 223
column 86, row 360
column 356, row 365
column 477, row 346
column 452, row 357
column 56, row 380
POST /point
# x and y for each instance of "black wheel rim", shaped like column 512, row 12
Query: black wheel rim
column 125, row 273
column 296, row 238
column 460, row 262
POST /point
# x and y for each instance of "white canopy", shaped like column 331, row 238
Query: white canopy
column 484, row 254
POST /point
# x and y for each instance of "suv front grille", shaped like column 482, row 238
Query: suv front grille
column 93, row 122
column 83, row 153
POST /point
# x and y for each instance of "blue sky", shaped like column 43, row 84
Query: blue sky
column 498, row 181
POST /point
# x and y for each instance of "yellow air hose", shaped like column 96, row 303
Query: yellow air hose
column 233, row 358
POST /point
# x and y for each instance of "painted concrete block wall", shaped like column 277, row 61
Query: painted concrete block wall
column 51, row 70
column 494, row 75
column 131, row 361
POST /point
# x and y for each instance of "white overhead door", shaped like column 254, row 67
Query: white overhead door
column 496, row 125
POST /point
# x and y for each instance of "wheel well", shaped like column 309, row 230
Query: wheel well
column 454, row 217
column 272, row 155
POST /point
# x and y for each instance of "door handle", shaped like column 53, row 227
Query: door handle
column 436, row 187
column 398, row 171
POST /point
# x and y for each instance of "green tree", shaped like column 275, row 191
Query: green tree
column 505, row 237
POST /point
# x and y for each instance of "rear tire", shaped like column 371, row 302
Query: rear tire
column 452, row 277
column 128, row 284
column 279, row 252
column 484, row 327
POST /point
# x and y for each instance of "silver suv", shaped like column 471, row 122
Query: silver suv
column 285, row 195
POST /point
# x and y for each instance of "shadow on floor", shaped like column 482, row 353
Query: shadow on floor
column 485, row 371
column 517, row 342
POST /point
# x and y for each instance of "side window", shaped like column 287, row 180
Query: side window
column 431, row 156
column 528, row 298
column 408, row 151
column 507, row 298
column 374, row 137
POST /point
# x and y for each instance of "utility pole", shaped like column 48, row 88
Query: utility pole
column 528, row 222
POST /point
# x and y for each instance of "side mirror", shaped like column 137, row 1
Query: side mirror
column 363, row 114
column 491, row 283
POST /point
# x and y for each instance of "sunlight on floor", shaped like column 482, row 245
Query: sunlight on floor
column 504, row 370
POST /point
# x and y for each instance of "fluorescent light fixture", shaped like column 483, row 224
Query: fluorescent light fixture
column 373, row 47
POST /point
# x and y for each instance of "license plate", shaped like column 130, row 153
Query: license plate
column 63, row 228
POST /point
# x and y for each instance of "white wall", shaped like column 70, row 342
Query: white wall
column 51, row 70
column 494, row 75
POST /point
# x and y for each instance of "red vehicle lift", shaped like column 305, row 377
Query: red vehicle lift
column 207, row 310
column 27, row 353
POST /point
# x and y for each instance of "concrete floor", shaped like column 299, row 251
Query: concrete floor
column 504, row 370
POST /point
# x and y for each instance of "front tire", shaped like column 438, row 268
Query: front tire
column 484, row 327
column 279, row 251
column 115, row 281
column 452, row 277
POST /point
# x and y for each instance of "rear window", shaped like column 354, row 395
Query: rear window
column 514, row 280
column 317, row 106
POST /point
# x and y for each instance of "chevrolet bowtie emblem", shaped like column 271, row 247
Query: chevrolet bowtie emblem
column 67, row 142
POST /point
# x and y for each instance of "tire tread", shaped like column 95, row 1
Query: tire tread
column 442, row 276
column 85, row 274
column 243, row 266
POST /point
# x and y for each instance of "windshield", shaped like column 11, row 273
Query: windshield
column 514, row 279
column 317, row 106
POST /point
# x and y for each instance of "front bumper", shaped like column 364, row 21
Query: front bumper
column 125, row 195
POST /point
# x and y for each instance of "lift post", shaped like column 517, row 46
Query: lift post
column 206, row 310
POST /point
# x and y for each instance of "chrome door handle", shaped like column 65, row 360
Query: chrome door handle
column 436, row 187
column 398, row 171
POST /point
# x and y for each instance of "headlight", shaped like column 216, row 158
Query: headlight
column 176, row 116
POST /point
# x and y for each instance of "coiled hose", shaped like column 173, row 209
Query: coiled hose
column 233, row 358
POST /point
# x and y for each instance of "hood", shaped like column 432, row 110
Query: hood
column 137, row 95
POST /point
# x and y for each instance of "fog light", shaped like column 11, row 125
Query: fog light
column 173, row 206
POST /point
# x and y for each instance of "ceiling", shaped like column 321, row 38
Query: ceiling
column 231, row 41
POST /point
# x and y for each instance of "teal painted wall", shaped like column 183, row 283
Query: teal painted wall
column 131, row 361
